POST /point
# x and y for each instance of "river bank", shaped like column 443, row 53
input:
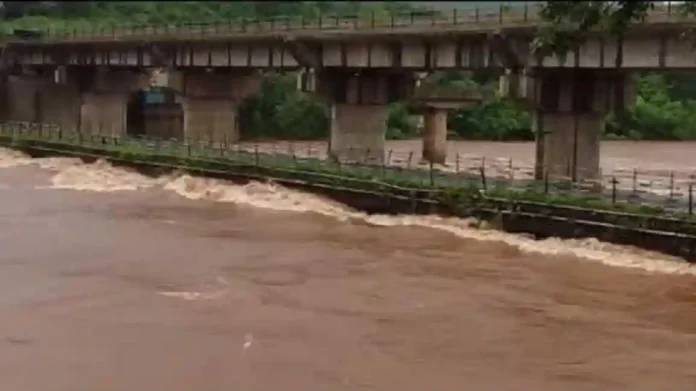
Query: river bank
column 374, row 190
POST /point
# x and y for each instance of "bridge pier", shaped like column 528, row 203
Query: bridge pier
column 358, row 110
column 212, row 100
column 105, row 99
column 570, row 106
column 34, row 96
column 97, row 100
column 358, row 132
column 435, row 135
column 435, row 103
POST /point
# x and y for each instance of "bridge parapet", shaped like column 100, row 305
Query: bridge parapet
column 486, row 19
column 262, row 27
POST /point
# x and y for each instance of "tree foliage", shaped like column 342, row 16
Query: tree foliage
column 569, row 22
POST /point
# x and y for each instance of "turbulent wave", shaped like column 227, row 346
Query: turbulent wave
column 103, row 177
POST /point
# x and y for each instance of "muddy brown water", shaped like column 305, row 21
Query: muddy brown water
column 662, row 168
column 114, row 281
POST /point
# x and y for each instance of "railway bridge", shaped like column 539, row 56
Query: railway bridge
column 91, row 80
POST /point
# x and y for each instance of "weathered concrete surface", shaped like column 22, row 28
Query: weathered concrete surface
column 60, row 105
column 22, row 102
column 570, row 107
column 164, row 121
column 36, row 98
column 104, row 114
column 211, row 120
column 571, row 144
column 105, row 103
column 99, row 104
column 211, row 102
column 358, row 132
column 435, row 136
column 233, row 86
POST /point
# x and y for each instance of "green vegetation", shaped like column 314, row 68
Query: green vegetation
column 664, row 109
column 458, row 190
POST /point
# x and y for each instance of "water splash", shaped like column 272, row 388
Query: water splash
column 103, row 177
column 260, row 195
column 11, row 158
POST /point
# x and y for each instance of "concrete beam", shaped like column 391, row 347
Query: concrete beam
column 509, row 51
column 363, row 87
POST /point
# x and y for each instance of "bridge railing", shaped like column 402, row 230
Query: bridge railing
column 514, row 14
column 519, row 13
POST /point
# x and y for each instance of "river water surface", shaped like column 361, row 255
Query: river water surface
column 114, row 281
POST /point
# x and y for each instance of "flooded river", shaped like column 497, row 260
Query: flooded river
column 114, row 281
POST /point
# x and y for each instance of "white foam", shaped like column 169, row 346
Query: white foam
column 191, row 296
column 103, row 177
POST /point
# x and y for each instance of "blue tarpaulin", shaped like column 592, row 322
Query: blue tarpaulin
column 153, row 97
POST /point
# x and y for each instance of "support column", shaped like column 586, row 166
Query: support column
column 435, row 136
column 358, row 102
column 435, row 102
column 105, row 102
column 4, row 78
column 61, row 99
column 571, row 147
column 211, row 104
column 211, row 120
column 358, row 132
column 37, row 95
column 571, row 105
column 23, row 93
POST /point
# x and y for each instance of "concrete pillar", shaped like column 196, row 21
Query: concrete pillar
column 306, row 80
column 358, row 133
column 104, row 114
column 359, row 111
column 105, row 102
column 435, row 136
column 571, row 145
column 37, row 97
column 570, row 120
column 4, row 77
column 23, row 93
column 60, row 105
column 211, row 120
column 211, row 104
